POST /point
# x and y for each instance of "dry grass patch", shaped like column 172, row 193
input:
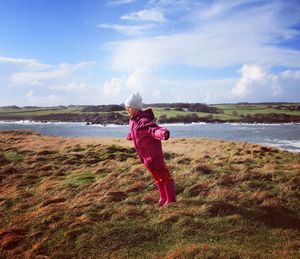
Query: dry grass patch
column 91, row 198
column 128, row 211
column 151, row 197
column 204, row 251
column 204, row 168
column 201, row 189
column 136, row 187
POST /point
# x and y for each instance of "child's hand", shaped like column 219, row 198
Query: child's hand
column 167, row 135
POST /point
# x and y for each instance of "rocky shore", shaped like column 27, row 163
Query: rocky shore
column 166, row 113
column 121, row 119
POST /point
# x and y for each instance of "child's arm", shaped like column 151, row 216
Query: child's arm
column 129, row 137
column 160, row 133
column 155, row 131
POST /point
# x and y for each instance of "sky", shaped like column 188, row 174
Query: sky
column 92, row 52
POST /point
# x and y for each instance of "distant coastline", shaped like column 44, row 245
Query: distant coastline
column 169, row 113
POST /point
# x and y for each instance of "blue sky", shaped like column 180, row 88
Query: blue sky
column 99, row 51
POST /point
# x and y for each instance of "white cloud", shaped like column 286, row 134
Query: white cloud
column 154, row 89
column 127, row 29
column 140, row 80
column 27, row 63
column 197, row 51
column 258, row 84
column 113, row 88
column 289, row 83
column 251, row 75
column 48, row 100
column 204, row 91
column 248, row 35
column 144, row 20
column 291, row 75
column 28, row 82
column 150, row 15
column 35, row 78
column 173, row 3
column 119, row 2
column 71, row 87
column 143, row 81
column 220, row 8
column 38, row 78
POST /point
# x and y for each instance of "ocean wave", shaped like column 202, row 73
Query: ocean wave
column 290, row 145
column 260, row 124
column 284, row 137
column 29, row 122
column 108, row 125
column 182, row 124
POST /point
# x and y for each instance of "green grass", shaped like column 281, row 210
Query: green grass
column 36, row 112
column 172, row 113
column 78, row 179
column 169, row 113
column 230, row 111
column 253, row 109
column 95, row 200
column 12, row 156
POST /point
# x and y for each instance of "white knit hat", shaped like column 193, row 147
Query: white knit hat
column 134, row 101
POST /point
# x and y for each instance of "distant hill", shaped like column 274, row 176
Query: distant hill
column 164, row 112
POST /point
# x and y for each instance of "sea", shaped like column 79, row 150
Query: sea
column 283, row 136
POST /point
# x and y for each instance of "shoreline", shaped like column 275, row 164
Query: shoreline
column 183, row 113
column 171, row 124
column 117, row 132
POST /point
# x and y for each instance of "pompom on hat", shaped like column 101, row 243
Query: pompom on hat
column 134, row 101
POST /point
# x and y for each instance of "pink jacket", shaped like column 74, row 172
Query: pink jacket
column 147, row 136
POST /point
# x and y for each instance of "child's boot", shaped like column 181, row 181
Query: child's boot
column 162, row 193
column 170, row 192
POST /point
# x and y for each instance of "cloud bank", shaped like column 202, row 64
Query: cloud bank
column 258, row 84
column 30, row 82
column 233, row 38
column 172, row 51
column 251, row 36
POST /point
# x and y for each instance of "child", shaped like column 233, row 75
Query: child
column 147, row 136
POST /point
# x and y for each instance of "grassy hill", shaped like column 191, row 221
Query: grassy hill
column 245, row 112
column 91, row 198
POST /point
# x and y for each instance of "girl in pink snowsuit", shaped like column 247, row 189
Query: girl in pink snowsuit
column 147, row 136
